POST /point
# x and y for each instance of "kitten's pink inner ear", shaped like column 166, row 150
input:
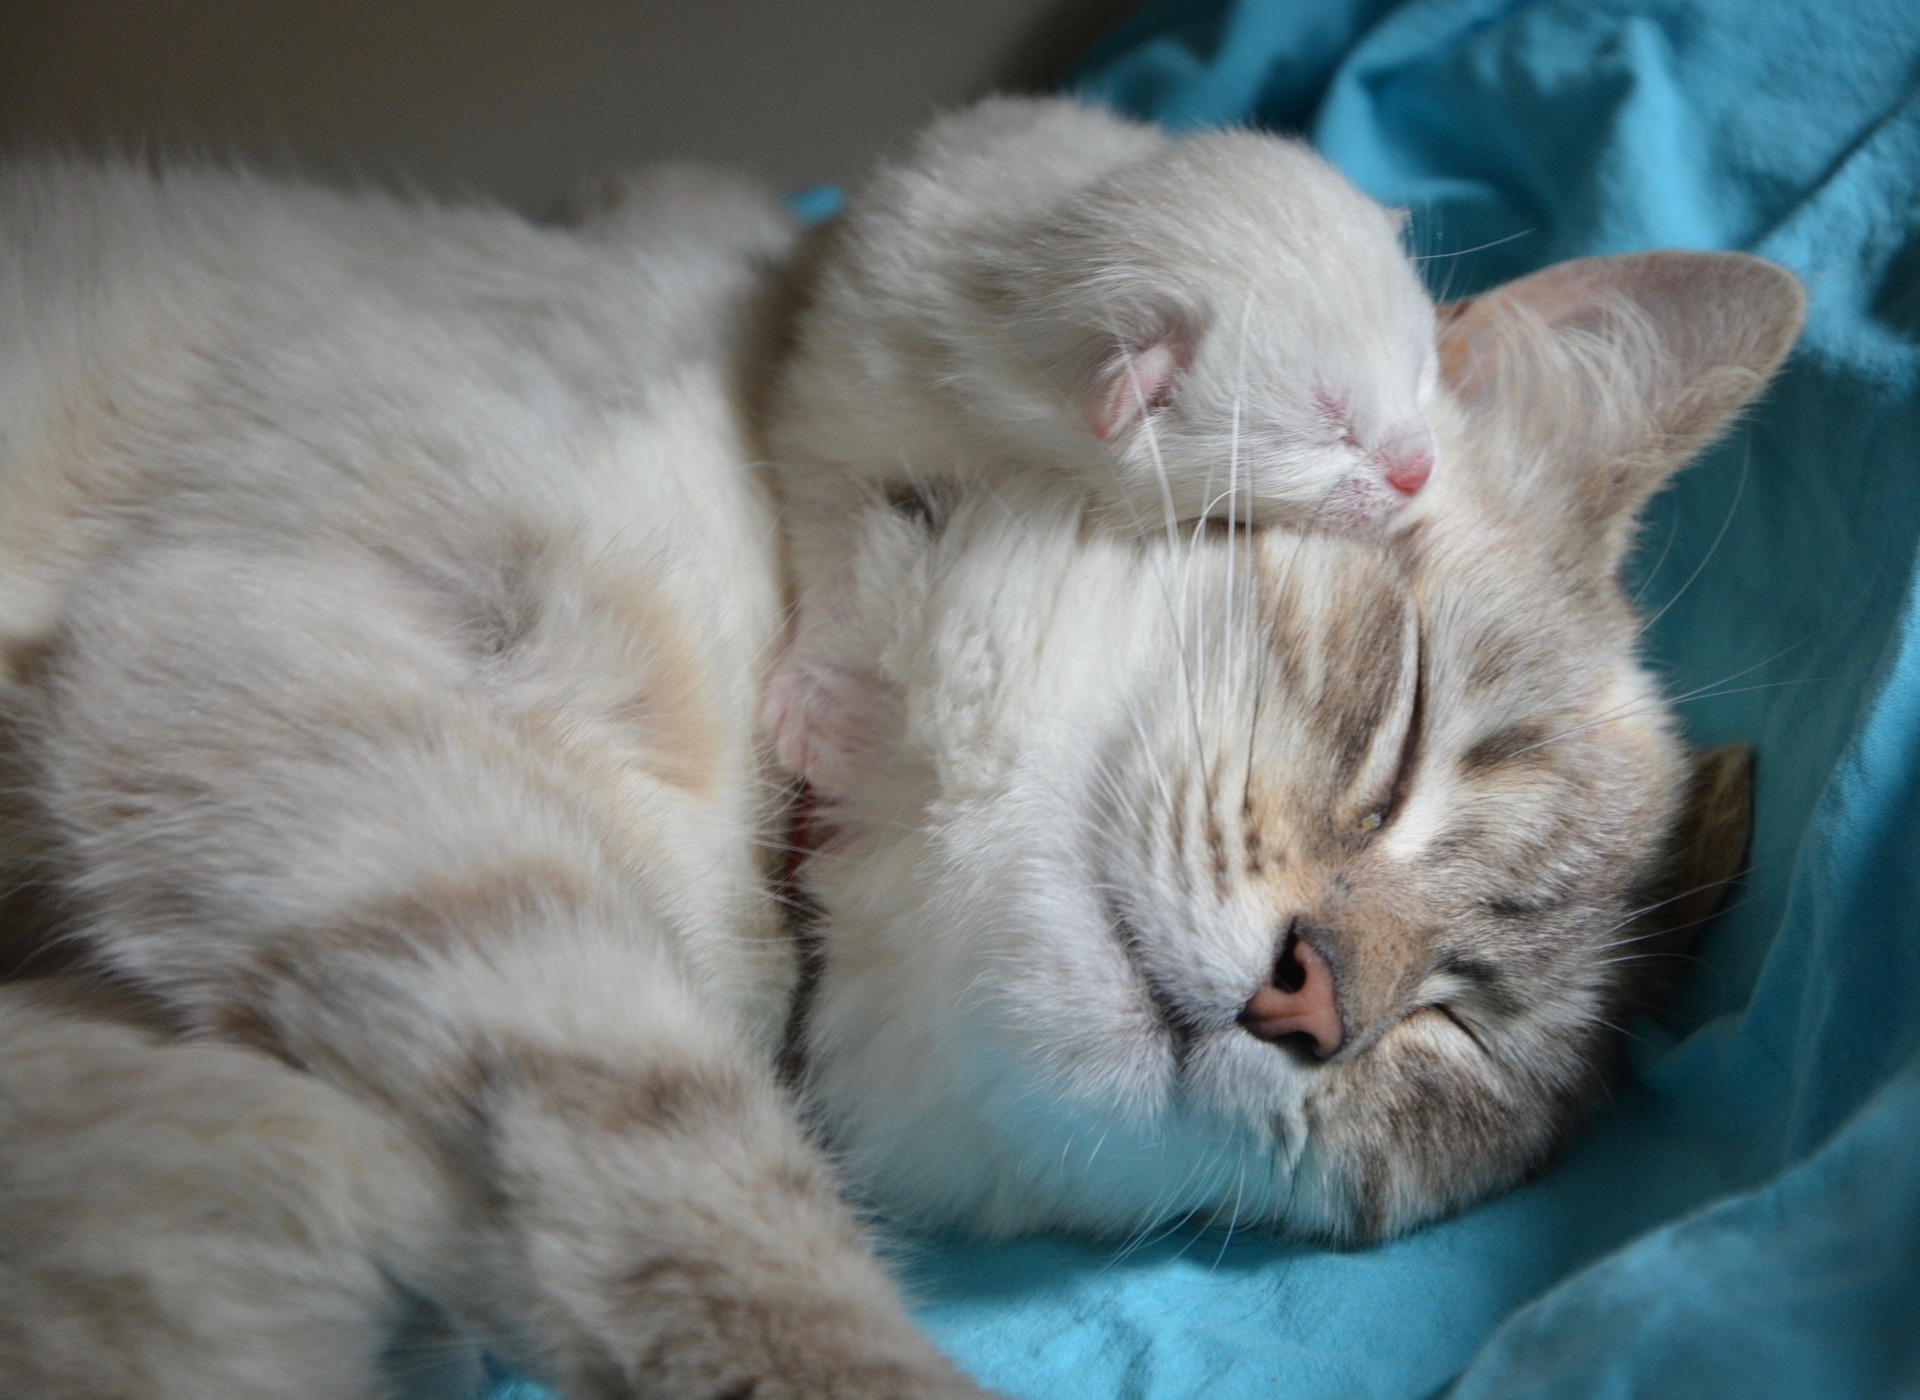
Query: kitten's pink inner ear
column 1139, row 384
column 813, row 710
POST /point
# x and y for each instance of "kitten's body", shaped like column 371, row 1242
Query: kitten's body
column 386, row 598
column 1216, row 326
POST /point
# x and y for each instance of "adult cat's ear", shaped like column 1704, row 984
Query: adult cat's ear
column 1706, row 859
column 1598, row 379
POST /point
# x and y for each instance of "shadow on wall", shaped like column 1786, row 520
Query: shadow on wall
column 516, row 100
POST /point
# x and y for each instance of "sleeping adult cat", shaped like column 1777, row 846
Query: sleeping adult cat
column 386, row 597
column 1037, row 293
column 1286, row 879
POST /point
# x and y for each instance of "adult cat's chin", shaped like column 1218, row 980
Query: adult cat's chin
column 969, row 1141
column 1344, row 1156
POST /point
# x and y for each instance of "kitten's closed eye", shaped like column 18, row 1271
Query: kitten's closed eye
column 918, row 503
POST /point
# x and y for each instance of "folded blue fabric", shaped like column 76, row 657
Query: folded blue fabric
column 1745, row 1218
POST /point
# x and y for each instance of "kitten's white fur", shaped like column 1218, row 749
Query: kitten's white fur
column 1038, row 286
column 1212, row 326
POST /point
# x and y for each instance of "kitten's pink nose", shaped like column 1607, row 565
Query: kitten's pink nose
column 1299, row 1000
column 1408, row 471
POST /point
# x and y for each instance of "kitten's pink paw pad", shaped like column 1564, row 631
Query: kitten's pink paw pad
column 815, row 714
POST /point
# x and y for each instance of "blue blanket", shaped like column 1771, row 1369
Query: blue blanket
column 1745, row 1218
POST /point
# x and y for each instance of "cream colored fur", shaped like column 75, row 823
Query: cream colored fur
column 386, row 604
column 385, row 594
column 198, row 1219
column 1089, row 788
column 989, row 291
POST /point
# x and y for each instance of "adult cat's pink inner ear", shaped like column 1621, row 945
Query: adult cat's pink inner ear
column 1299, row 1000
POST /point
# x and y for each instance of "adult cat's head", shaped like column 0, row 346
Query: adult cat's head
column 1287, row 878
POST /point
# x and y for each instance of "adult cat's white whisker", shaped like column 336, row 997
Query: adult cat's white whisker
column 1717, row 690
column 1739, row 490
column 1193, row 603
column 1161, row 1221
column 1639, row 709
column 1622, row 1032
column 1476, row 248
column 1151, row 431
column 1634, row 916
column 1233, row 469
column 1233, row 1216
column 1802, row 640
column 1654, row 572
column 1177, row 614
column 1656, row 934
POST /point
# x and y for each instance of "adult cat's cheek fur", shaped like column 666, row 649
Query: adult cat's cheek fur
column 993, row 1079
column 976, row 978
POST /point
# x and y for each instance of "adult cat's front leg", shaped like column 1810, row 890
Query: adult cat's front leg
column 645, row 1217
column 680, row 1239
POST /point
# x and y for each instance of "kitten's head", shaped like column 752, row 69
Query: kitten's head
column 1234, row 326
column 1289, row 878
column 1219, row 323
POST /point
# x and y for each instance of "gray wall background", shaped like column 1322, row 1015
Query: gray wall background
column 516, row 100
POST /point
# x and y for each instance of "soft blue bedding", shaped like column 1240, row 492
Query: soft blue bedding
column 1745, row 1219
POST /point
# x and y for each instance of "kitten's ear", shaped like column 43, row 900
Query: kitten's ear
column 1133, row 383
column 1600, row 378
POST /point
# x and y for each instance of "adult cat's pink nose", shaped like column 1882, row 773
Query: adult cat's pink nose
column 1299, row 1000
column 1407, row 471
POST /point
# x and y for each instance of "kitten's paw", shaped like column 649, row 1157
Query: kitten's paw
column 818, row 715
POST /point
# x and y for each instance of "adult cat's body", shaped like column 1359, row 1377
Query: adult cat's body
column 386, row 596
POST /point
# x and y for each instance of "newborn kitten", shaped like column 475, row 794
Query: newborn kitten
column 1216, row 326
column 1219, row 325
